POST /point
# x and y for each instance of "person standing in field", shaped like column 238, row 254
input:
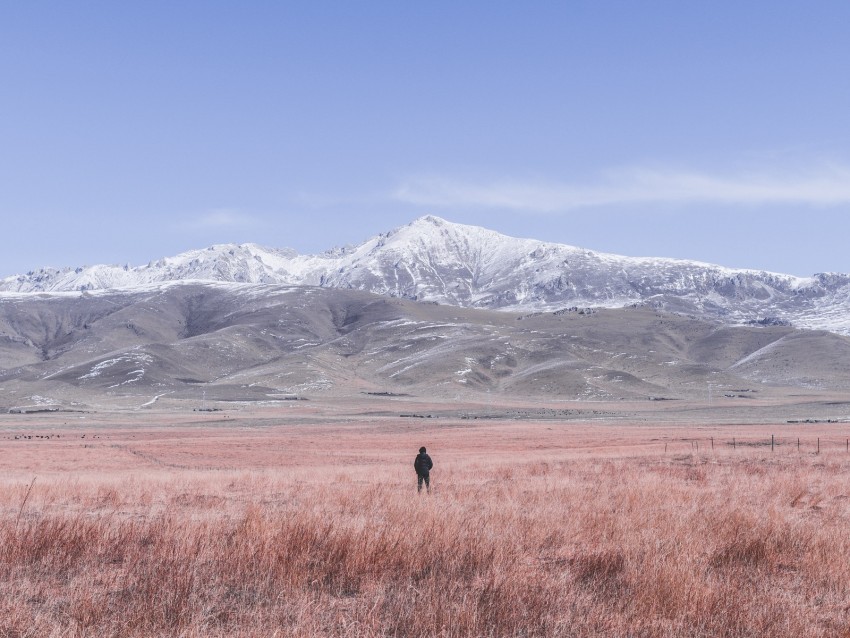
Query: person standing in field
column 423, row 465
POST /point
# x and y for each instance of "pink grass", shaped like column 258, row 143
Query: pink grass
column 523, row 536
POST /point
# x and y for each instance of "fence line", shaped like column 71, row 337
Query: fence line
column 801, row 444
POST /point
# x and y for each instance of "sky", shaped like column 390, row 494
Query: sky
column 715, row 131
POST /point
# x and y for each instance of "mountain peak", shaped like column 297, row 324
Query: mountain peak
column 430, row 219
column 426, row 225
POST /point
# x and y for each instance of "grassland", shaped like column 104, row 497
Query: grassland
column 235, row 526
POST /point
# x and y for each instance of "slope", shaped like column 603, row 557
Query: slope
column 251, row 342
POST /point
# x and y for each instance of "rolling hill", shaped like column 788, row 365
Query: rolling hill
column 266, row 343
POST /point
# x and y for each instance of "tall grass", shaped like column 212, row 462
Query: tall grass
column 693, row 546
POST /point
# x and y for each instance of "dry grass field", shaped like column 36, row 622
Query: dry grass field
column 282, row 523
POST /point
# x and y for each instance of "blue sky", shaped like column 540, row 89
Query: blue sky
column 713, row 131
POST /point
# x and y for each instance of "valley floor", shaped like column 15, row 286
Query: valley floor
column 544, row 520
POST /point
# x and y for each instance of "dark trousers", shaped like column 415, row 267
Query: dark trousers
column 419, row 479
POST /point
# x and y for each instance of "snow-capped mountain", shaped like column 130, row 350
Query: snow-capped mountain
column 432, row 259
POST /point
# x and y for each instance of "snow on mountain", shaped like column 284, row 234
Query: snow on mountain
column 431, row 259
column 245, row 263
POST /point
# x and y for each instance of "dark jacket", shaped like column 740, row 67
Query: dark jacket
column 423, row 464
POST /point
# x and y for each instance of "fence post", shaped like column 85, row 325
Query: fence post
column 798, row 443
column 712, row 442
column 818, row 445
column 733, row 442
column 771, row 443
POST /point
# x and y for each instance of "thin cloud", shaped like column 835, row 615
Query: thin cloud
column 824, row 186
column 220, row 218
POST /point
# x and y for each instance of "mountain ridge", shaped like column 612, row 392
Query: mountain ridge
column 431, row 259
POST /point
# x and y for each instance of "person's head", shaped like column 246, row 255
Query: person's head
column 422, row 450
